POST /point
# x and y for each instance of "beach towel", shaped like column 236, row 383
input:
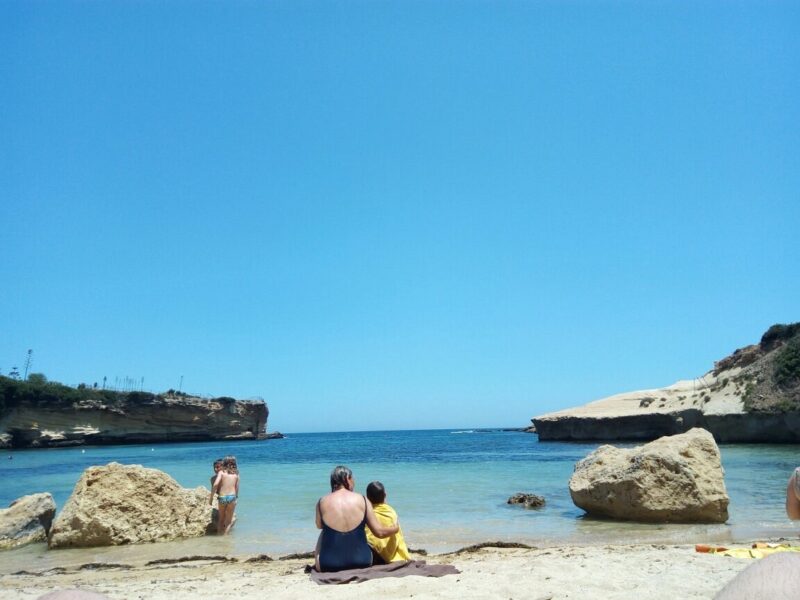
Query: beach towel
column 758, row 550
column 392, row 548
column 395, row 569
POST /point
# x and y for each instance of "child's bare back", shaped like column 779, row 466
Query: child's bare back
column 226, row 484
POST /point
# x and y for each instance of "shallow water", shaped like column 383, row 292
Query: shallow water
column 449, row 488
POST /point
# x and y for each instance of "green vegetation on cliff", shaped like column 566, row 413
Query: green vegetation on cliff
column 787, row 364
column 771, row 375
column 38, row 391
column 777, row 334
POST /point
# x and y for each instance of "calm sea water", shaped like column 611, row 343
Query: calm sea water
column 449, row 487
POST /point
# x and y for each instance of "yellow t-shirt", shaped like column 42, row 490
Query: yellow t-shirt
column 392, row 548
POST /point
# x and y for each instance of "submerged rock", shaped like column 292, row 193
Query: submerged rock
column 129, row 504
column 673, row 479
column 527, row 500
column 26, row 520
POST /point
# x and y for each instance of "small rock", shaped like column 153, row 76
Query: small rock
column 527, row 500
column 26, row 520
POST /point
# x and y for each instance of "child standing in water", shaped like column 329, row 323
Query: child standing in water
column 226, row 487
column 217, row 469
column 392, row 548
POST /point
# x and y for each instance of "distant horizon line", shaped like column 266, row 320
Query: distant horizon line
column 451, row 429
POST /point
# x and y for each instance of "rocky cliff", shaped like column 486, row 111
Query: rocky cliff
column 753, row 395
column 51, row 415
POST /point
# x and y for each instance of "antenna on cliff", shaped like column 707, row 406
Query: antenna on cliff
column 699, row 382
column 28, row 361
column 180, row 386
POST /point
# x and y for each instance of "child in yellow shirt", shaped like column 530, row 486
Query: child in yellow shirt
column 392, row 548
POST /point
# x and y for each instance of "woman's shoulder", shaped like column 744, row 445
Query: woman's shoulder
column 349, row 498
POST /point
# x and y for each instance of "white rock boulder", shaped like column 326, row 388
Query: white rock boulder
column 129, row 504
column 676, row 479
column 26, row 520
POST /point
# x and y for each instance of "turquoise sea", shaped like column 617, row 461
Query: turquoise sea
column 449, row 487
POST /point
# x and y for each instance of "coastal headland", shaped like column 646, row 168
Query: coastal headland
column 753, row 395
column 47, row 415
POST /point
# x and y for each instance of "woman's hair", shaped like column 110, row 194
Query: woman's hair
column 376, row 493
column 339, row 477
column 229, row 464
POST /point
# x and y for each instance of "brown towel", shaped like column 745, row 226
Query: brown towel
column 395, row 569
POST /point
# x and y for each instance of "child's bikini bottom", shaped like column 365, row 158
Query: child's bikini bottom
column 226, row 499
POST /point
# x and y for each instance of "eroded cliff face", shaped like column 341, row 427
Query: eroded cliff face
column 48, row 420
column 753, row 395
column 739, row 427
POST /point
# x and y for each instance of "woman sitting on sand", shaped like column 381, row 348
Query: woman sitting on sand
column 341, row 515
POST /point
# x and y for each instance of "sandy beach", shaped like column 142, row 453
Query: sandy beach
column 587, row 572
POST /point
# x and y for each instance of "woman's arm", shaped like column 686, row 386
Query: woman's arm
column 238, row 479
column 375, row 526
column 318, row 518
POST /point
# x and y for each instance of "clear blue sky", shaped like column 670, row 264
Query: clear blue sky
column 390, row 215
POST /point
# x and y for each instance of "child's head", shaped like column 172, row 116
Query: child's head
column 217, row 465
column 376, row 493
column 229, row 464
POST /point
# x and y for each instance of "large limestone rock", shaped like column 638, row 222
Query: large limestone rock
column 26, row 520
column 675, row 479
column 129, row 504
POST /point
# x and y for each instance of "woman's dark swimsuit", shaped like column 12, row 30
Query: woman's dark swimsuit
column 340, row 550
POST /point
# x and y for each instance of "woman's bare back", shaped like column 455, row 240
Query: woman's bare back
column 343, row 510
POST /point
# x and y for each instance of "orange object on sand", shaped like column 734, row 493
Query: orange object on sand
column 707, row 548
